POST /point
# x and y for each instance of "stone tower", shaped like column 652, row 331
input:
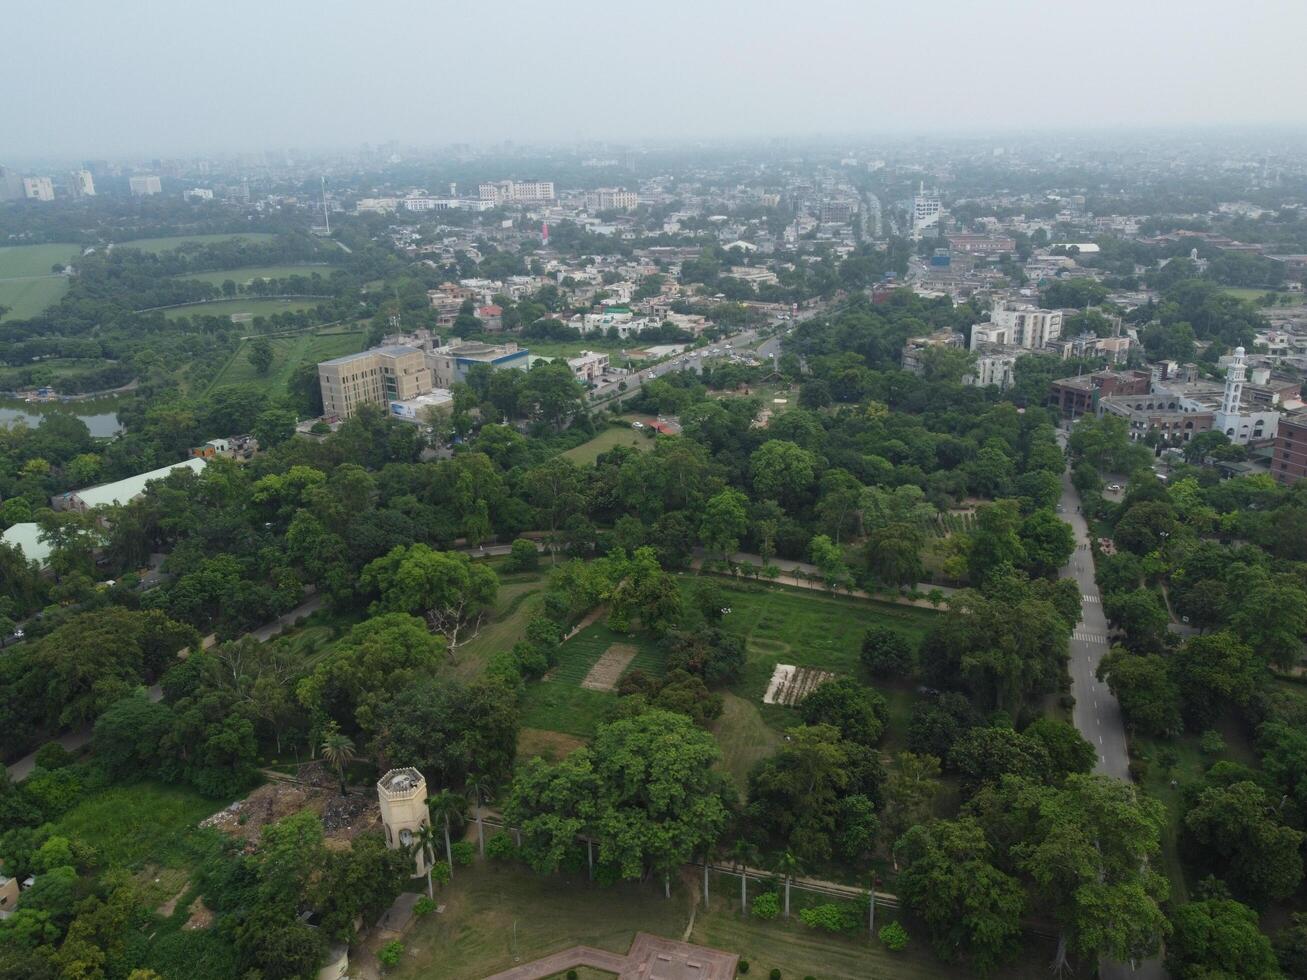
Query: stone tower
column 403, row 797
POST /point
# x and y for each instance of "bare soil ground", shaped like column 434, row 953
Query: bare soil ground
column 609, row 668
column 343, row 817
column 789, row 684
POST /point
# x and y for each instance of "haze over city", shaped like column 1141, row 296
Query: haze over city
column 160, row 77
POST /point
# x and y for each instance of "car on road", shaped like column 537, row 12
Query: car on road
column 1114, row 488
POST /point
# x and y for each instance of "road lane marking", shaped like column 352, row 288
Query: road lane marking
column 1100, row 739
column 1089, row 636
column 1086, row 597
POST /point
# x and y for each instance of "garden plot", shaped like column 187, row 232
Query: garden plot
column 608, row 669
column 789, row 684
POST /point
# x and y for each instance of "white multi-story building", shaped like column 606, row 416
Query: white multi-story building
column 83, row 183
column 420, row 203
column 1238, row 420
column 199, row 194
column 38, row 188
column 993, row 367
column 517, row 191
column 144, row 186
column 1027, row 326
column 925, row 212
column 611, row 199
column 588, row 366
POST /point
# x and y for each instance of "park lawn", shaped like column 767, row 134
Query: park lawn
column 288, row 353
column 518, row 602
column 744, row 737
column 498, row 916
column 23, row 298
column 559, row 703
column 157, row 245
column 27, row 286
column 808, row 629
column 248, row 274
column 1253, row 295
column 610, row 438
column 148, row 821
column 252, row 306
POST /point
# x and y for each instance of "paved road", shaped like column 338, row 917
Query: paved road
column 1096, row 714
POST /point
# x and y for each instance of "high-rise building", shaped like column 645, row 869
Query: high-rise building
column 82, row 183
column 38, row 188
column 517, row 191
column 144, row 186
column 925, row 212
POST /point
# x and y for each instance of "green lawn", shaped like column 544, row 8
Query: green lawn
column 518, row 601
column 174, row 241
column 808, row 629
column 744, row 737
column 249, row 273
column 130, row 825
column 558, row 702
column 252, row 306
column 1253, row 295
column 288, row 353
column 588, row 452
column 498, row 916
column 27, row 286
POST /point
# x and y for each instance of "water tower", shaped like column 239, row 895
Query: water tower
column 403, row 797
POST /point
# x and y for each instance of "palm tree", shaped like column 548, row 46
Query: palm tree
column 742, row 852
column 788, row 865
column 446, row 808
column 478, row 788
column 425, row 842
column 338, row 750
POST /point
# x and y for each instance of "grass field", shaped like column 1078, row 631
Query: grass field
column 559, row 703
column 174, row 241
column 27, row 286
column 1253, row 295
column 288, row 353
column 499, row 916
column 249, row 273
column 807, row 629
column 588, row 452
column 518, row 600
column 252, row 306
column 129, row 825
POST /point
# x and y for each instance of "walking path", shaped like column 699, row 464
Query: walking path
column 1097, row 715
column 792, row 573
column 650, row 956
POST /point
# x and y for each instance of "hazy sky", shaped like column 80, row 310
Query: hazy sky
column 148, row 77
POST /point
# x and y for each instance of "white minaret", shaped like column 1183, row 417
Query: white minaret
column 403, row 797
column 1227, row 419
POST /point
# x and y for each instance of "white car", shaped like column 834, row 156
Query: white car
column 1114, row 487
column 637, row 425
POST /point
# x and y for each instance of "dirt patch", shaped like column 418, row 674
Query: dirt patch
column 789, row 685
column 610, row 666
column 343, row 817
column 169, row 907
column 201, row 916
column 550, row 746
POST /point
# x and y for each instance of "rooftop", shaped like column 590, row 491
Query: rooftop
column 108, row 494
column 27, row 536
column 401, row 784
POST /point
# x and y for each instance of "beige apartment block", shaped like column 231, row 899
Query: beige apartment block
column 374, row 377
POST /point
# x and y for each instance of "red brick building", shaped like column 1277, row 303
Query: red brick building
column 1079, row 396
column 1289, row 457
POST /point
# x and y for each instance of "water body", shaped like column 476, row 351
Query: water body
column 100, row 415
